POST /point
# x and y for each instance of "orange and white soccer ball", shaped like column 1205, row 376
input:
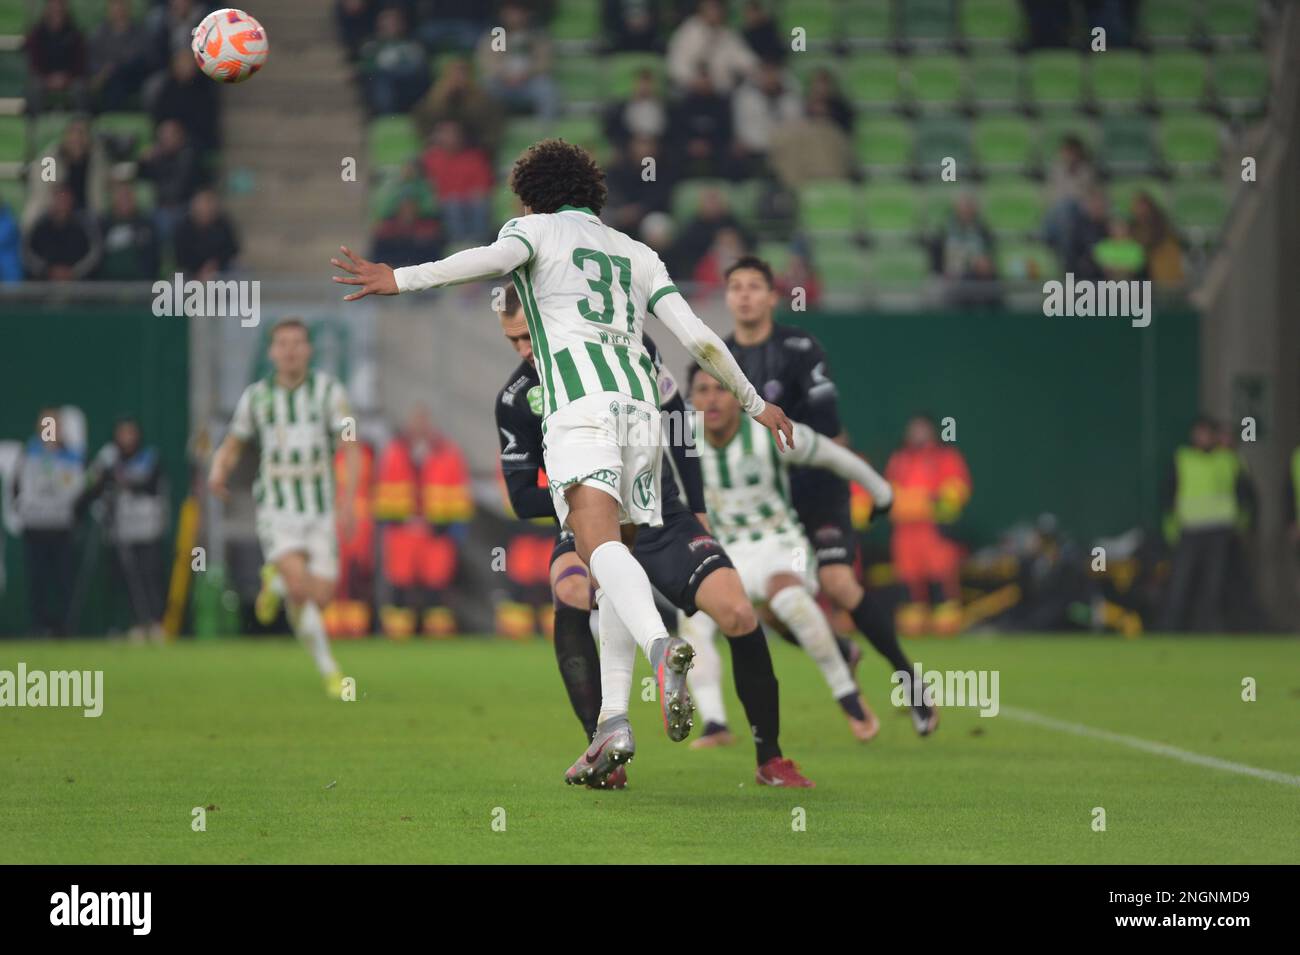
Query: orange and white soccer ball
column 229, row 46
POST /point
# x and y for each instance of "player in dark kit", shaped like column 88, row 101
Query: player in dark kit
column 788, row 365
column 682, row 559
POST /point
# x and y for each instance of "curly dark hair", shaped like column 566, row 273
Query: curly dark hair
column 552, row 173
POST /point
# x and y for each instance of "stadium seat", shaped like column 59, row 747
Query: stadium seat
column 1126, row 144
column 521, row 133
column 995, row 81
column 13, row 19
column 1199, row 208
column 1169, row 22
column 775, row 254
column 1055, row 126
column 576, row 21
column 138, row 127
column 622, row 69
column 832, row 208
column 1231, row 21
column 1027, row 262
column 13, row 192
column 936, row 81
column 393, row 141
column 817, row 17
column 1005, row 143
column 893, row 209
column 939, row 137
column 898, row 264
column 992, row 22
column 841, row 266
column 582, row 130
column 866, row 23
column 1190, row 140
column 1012, row 207
column 1055, row 78
column 505, row 204
column 48, row 130
column 1119, row 80
column 805, row 65
column 1177, row 78
column 928, row 22
column 873, row 81
column 1122, row 191
column 884, row 143
column 13, row 139
column 13, row 74
column 686, row 196
column 581, row 80
column 1241, row 81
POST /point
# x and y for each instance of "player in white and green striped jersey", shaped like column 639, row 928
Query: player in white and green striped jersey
column 746, row 490
column 296, row 415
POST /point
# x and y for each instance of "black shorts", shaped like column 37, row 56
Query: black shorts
column 830, row 531
column 677, row 556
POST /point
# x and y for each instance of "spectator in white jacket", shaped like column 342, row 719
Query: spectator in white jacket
column 767, row 100
column 704, row 39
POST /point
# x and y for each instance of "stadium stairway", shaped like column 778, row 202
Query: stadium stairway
column 287, row 132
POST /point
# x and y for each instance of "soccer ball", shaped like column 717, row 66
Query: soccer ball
column 229, row 46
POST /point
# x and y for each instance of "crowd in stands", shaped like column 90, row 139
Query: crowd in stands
column 122, row 187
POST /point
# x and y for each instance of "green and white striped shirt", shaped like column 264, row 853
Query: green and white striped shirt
column 296, row 429
column 747, row 481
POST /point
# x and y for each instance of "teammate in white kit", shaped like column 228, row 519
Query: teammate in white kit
column 587, row 290
column 746, row 490
column 296, row 414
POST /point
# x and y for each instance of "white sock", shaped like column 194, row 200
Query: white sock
column 310, row 628
column 705, row 677
column 797, row 609
column 627, row 588
column 617, row 657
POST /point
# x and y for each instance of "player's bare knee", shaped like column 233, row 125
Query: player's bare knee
column 737, row 617
column 840, row 585
column 573, row 591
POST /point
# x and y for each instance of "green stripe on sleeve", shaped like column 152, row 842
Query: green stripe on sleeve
column 516, row 235
column 569, row 374
column 666, row 290
column 633, row 384
column 606, row 374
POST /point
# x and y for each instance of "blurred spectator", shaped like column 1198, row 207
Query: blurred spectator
column 409, row 236
column 119, row 58
column 1091, row 229
column 704, row 41
column 461, row 176
column 1152, row 229
column 11, row 244
column 130, row 240
column 127, row 474
column 452, row 24
column 49, row 478
column 824, row 95
column 1119, row 255
column 1048, row 22
column 1117, row 17
column 355, row 20
column 631, row 195
column 63, row 245
column 700, row 128
column 761, row 33
column 631, row 25
column 656, row 231
column 644, row 113
column 173, row 167
column 170, row 27
column 762, row 103
column 520, row 74
column 190, row 98
column 1070, row 179
column 205, row 239
column 56, row 60
column 799, row 273
column 698, row 235
column 81, row 165
column 966, row 253
column 394, row 66
column 811, row 148
column 710, row 272
column 457, row 96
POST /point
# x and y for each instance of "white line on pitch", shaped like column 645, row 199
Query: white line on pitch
column 1159, row 749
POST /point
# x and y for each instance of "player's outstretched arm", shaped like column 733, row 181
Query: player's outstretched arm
column 223, row 462
column 468, row 265
column 822, row 452
column 713, row 355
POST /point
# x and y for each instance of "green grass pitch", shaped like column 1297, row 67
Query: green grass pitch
column 445, row 735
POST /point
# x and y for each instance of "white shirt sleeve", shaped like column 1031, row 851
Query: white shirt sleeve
column 241, row 425
column 818, row 451
column 511, row 250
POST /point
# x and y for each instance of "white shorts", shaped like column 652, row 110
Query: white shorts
column 759, row 561
column 607, row 441
column 310, row 534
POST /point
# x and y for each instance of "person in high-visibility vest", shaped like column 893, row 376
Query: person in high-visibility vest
column 931, row 486
column 1206, row 494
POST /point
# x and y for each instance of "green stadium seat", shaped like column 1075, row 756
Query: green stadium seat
column 840, row 266
column 898, row 264
column 393, row 141
column 1190, row 140
column 13, row 73
column 818, row 18
column 1012, row 207
column 1055, row 126
column 1169, row 22
column 686, row 196
column 581, row 80
column 391, row 188
column 1178, row 78
column 1231, row 21
column 622, row 69
column 576, row 20
column 520, row 134
column 991, row 21
column 88, row 13
column 775, row 254
column 13, row 193
column 1126, row 144
column 584, row 131
column 940, row 137
column 13, row 19
column 1199, row 207
column 830, row 207
column 136, row 126
column 873, row 81
column 1119, row 79
column 866, row 23
column 505, row 204
column 996, row 81
column 48, row 130
column 1027, row 262
column 1055, row 78
column 884, row 143
column 936, row 81
column 1241, row 81
column 803, row 66
column 1122, row 192
column 927, row 21
column 893, row 208
column 13, row 139
column 1005, row 143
